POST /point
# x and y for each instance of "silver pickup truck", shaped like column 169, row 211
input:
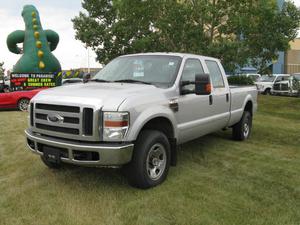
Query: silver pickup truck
column 136, row 111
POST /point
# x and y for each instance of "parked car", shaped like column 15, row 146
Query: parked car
column 135, row 112
column 289, row 86
column 4, row 84
column 17, row 99
column 71, row 81
column 266, row 82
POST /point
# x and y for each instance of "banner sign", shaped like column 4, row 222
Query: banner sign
column 28, row 81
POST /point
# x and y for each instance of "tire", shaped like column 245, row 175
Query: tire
column 23, row 104
column 151, row 160
column 242, row 130
column 51, row 165
column 267, row 91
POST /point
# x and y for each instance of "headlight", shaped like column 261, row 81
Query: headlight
column 115, row 125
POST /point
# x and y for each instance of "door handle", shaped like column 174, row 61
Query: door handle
column 210, row 100
column 227, row 97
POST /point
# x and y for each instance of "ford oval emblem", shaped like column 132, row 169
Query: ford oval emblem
column 55, row 118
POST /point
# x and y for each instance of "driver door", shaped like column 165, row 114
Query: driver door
column 193, row 110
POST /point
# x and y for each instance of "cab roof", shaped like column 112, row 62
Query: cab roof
column 182, row 55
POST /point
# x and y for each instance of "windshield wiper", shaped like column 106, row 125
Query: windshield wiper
column 133, row 81
column 101, row 80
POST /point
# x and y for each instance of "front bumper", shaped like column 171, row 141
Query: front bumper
column 108, row 154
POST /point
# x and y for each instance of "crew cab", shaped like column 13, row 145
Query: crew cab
column 266, row 82
column 135, row 112
column 289, row 86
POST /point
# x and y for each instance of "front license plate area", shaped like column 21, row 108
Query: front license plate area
column 51, row 154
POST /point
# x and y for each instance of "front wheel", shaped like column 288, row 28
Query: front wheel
column 23, row 104
column 151, row 160
column 267, row 91
column 242, row 130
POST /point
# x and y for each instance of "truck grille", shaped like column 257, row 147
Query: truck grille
column 281, row 87
column 276, row 87
column 57, row 129
column 61, row 120
column 284, row 87
column 61, row 108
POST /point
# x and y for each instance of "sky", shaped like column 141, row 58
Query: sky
column 55, row 15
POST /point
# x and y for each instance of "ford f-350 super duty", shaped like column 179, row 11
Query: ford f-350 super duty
column 135, row 112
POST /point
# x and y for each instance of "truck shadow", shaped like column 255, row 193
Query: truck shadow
column 115, row 179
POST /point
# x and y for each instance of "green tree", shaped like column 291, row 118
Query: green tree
column 236, row 31
column 2, row 71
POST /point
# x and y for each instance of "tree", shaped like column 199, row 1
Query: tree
column 2, row 71
column 236, row 31
column 270, row 32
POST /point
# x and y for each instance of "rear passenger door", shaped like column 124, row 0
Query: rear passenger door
column 220, row 96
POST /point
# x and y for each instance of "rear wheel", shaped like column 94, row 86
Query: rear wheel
column 51, row 165
column 23, row 104
column 151, row 160
column 242, row 130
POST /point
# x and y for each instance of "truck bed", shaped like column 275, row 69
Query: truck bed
column 239, row 97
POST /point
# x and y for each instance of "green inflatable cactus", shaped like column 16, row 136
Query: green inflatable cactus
column 37, row 45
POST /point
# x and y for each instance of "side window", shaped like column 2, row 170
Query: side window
column 215, row 74
column 191, row 68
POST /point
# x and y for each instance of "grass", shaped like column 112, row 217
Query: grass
column 217, row 180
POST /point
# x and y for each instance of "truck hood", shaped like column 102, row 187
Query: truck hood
column 93, row 94
column 263, row 83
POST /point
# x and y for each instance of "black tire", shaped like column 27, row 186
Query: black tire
column 267, row 91
column 23, row 104
column 51, row 165
column 140, row 172
column 242, row 130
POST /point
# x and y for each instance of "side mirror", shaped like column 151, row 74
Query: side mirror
column 202, row 84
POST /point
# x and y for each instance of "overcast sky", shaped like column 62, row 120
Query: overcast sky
column 55, row 15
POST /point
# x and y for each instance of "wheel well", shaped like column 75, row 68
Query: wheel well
column 165, row 126
column 161, row 124
column 267, row 89
column 249, row 107
column 22, row 99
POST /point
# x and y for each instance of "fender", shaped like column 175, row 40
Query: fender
column 148, row 114
column 249, row 99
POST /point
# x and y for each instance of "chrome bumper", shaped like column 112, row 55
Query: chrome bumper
column 109, row 154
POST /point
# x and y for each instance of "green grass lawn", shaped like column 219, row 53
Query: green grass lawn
column 217, row 180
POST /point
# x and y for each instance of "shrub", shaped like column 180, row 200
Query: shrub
column 240, row 80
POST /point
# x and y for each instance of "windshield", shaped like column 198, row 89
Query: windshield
column 154, row 69
column 266, row 78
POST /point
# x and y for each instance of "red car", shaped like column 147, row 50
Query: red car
column 17, row 99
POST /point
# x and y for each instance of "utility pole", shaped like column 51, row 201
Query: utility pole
column 88, row 59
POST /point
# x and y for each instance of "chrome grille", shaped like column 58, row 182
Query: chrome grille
column 62, row 108
column 276, row 87
column 284, row 87
column 72, row 122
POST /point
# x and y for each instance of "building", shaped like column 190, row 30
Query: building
column 292, row 58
